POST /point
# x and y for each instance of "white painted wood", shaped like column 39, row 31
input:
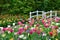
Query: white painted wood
column 43, row 14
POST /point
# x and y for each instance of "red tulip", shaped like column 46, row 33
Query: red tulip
column 37, row 25
column 51, row 33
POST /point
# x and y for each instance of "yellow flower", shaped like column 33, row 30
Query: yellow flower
column 56, row 39
column 3, row 35
column 41, row 29
column 36, row 28
column 54, row 32
column 11, row 38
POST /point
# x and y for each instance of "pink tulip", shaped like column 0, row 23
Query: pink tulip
column 30, row 31
column 56, row 20
column 19, row 23
column 11, row 30
column 46, row 25
column 34, row 30
column 43, row 21
column 4, row 29
column 54, row 27
column 19, row 32
column 21, row 29
column 23, row 20
column 38, row 31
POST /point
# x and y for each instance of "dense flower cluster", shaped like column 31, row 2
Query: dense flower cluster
column 45, row 29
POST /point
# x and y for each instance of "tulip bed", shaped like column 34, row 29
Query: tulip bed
column 8, row 19
column 45, row 29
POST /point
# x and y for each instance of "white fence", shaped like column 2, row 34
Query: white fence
column 43, row 14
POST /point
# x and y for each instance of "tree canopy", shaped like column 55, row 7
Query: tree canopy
column 25, row 6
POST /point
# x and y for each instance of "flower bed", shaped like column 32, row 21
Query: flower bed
column 8, row 19
column 45, row 29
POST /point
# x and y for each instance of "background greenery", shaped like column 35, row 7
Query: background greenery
column 25, row 6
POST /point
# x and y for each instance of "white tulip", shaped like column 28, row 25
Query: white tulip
column 49, row 39
column 26, row 25
column 58, row 30
column 28, row 34
column 53, row 23
column 34, row 25
column 1, row 28
column 13, row 24
column 24, row 37
column 57, row 23
column 8, row 26
column 15, row 27
column 9, row 32
column 44, row 34
column 21, row 36
column 15, row 33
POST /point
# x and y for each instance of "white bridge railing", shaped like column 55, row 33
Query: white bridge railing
column 43, row 14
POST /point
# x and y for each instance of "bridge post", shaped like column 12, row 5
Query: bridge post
column 30, row 14
column 37, row 14
column 55, row 13
column 51, row 17
column 42, row 14
column 51, row 14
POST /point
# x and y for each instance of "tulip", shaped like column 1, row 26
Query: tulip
column 30, row 31
column 54, row 32
column 21, row 36
column 44, row 34
column 54, row 27
column 41, row 29
column 37, row 25
column 19, row 32
column 43, row 21
column 38, row 31
column 21, row 29
column 23, row 20
column 46, row 25
column 4, row 29
column 12, row 39
column 51, row 33
column 56, row 20
column 24, row 38
column 11, row 30
column 19, row 23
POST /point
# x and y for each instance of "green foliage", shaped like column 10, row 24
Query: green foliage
column 25, row 6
